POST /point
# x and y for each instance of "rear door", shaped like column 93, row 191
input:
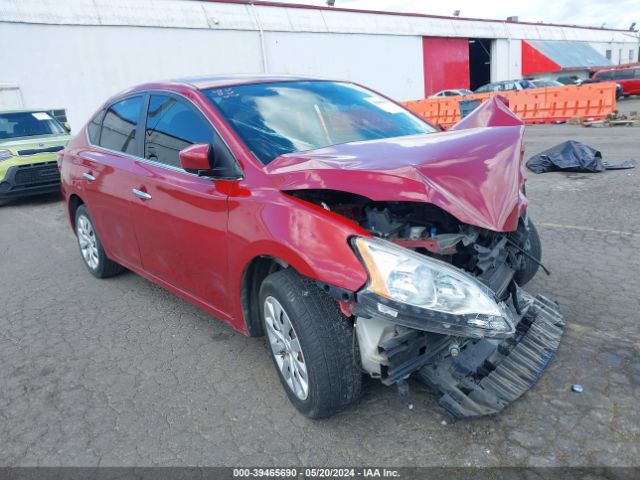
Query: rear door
column 181, row 219
column 106, row 170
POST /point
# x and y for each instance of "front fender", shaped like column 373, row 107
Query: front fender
column 312, row 240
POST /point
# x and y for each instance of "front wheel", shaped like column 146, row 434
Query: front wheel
column 310, row 343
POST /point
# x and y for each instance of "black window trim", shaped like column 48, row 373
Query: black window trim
column 141, row 126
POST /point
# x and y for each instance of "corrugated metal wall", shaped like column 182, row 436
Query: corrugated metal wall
column 78, row 67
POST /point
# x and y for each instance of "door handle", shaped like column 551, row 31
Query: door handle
column 88, row 176
column 141, row 194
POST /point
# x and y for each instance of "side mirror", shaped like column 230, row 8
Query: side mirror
column 196, row 158
column 67, row 127
column 208, row 160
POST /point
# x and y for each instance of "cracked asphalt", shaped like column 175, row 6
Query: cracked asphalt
column 119, row 372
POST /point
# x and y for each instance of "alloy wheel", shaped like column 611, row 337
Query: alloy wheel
column 88, row 242
column 285, row 347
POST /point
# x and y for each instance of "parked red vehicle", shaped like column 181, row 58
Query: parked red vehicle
column 327, row 217
column 628, row 78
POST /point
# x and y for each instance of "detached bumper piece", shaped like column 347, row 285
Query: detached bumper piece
column 31, row 179
column 488, row 375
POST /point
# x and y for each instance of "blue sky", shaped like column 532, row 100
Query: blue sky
column 618, row 14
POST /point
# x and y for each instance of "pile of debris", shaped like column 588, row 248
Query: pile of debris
column 614, row 119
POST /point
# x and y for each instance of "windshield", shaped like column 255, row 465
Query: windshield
column 28, row 124
column 284, row 117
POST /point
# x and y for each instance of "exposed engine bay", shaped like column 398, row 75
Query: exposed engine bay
column 474, row 373
column 494, row 258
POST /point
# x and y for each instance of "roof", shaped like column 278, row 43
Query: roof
column 217, row 81
column 543, row 56
column 269, row 16
column 267, row 3
column 570, row 54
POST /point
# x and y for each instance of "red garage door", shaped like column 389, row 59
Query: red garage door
column 446, row 63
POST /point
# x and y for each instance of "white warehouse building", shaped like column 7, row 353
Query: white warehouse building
column 73, row 54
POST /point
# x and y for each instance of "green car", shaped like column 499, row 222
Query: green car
column 29, row 141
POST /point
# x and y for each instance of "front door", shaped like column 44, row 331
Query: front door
column 181, row 220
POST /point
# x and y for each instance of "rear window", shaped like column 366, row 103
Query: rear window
column 119, row 126
column 28, row 124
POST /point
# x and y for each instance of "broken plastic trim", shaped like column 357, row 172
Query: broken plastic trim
column 489, row 374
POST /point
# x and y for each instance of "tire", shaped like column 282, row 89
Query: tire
column 91, row 250
column 320, row 334
column 534, row 248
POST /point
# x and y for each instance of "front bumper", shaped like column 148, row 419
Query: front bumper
column 489, row 374
column 30, row 179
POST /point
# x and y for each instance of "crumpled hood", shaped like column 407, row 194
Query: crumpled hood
column 473, row 172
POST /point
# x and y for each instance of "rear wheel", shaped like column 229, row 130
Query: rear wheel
column 310, row 343
column 91, row 249
column 530, row 267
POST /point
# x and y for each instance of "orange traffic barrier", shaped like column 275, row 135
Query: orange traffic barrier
column 592, row 101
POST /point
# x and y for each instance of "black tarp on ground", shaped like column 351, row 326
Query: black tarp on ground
column 572, row 156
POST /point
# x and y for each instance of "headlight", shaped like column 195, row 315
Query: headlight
column 424, row 293
column 5, row 155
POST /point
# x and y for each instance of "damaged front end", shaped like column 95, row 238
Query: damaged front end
column 447, row 308
column 447, row 244
column 443, row 303
column 471, row 376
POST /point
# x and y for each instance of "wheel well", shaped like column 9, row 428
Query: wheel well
column 74, row 202
column 255, row 273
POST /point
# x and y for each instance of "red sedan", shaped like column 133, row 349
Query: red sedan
column 627, row 77
column 327, row 217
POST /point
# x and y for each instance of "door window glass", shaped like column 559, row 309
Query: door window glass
column 172, row 126
column 119, row 126
column 93, row 129
column 623, row 74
